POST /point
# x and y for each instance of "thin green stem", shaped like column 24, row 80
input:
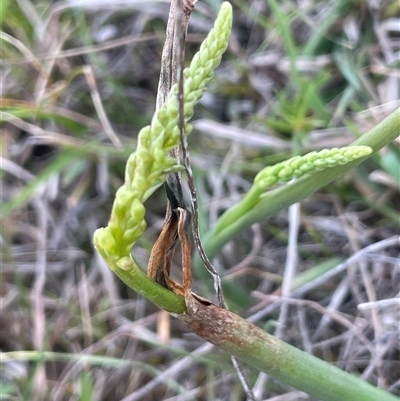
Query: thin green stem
column 241, row 208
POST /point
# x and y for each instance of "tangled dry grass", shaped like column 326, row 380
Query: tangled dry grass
column 79, row 80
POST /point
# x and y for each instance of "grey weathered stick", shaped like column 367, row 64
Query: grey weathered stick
column 168, row 73
column 180, row 55
column 169, row 60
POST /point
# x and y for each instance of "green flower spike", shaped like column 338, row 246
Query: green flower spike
column 288, row 170
column 148, row 166
column 309, row 163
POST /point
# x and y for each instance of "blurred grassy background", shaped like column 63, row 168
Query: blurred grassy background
column 79, row 80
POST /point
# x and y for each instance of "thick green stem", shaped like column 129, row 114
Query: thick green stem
column 284, row 362
column 297, row 368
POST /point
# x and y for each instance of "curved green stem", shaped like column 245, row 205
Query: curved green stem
column 127, row 270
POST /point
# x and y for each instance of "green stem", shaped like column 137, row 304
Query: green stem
column 134, row 278
column 240, row 209
column 295, row 367
column 280, row 198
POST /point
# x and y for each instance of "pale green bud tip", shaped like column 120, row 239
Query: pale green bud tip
column 125, row 263
column 225, row 13
column 104, row 241
column 209, row 56
column 266, row 182
column 309, row 163
column 144, row 135
column 356, row 152
column 226, row 6
column 137, row 210
column 124, row 196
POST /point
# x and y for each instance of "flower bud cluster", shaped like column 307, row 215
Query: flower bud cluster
column 309, row 163
column 148, row 166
